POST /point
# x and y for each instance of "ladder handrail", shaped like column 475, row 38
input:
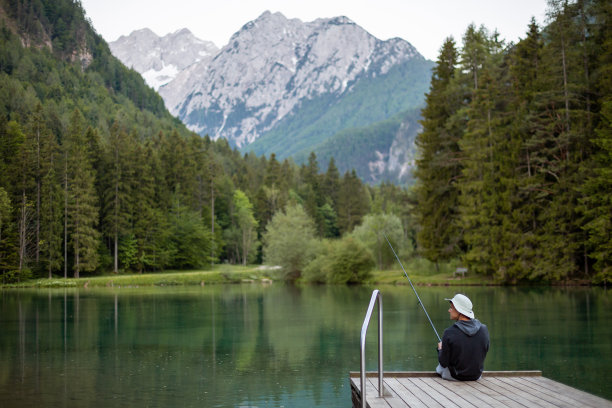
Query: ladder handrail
column 376, row 295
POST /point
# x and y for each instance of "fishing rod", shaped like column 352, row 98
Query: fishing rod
column 415, row 292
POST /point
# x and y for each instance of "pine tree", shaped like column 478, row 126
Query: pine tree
column 82, row 199
column 25, row 187
column 596, row 191
column 50, row 203
column 438, row 164
column 7, row 247
column 118, row 188
column 524, row 61
column 353, row 202
column 484, row 194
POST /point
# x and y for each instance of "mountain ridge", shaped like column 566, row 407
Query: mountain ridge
column 285, row 86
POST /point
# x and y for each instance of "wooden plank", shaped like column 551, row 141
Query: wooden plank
column 459, row 398
column 516, row 389
column 374, row 401
column 508, row 389
column 403, row 393
column 419, row 393
column 557, row 399
column 486, row 392
column 431, row 390
column 395, row 400
column 420, row 374
column 586, row 399
column 502, row 394
column 527, row 373
column 470, row 393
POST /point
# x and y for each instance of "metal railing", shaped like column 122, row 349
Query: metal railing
column 376, row 295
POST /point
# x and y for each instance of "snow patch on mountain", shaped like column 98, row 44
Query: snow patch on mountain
column 270, row 66
column 160, row 59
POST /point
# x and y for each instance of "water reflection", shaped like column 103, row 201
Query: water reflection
column 251, row 345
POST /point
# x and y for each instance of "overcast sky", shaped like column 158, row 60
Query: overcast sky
column 423, row 23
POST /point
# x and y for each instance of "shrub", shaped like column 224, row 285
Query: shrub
column 290, row 241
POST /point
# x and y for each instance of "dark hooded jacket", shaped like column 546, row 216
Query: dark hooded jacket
column 464, row 347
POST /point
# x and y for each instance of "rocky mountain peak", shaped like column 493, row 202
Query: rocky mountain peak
column 270, row 66
column 282, row 85
column 160, row 59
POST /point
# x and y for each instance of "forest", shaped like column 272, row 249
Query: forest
column 97, row 177
column 514, row 174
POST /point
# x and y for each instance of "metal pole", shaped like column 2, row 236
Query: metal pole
column 376, row 295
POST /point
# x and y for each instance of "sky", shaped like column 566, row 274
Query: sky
column 423, row 23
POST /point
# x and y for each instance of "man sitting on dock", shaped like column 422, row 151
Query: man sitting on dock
column 464, row 345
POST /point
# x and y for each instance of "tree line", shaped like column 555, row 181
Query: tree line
column 86, row 201
column 96, row 177
column 514, row 174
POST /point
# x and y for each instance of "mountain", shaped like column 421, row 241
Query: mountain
column 160, row 59
column 284, row 86
column 383, row 151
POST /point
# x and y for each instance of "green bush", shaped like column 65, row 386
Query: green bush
column 319, row 268
column 290, row 241
column 343, row 261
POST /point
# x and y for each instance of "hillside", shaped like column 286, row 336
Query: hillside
column 382, row 152
column 66, row 64
column 281, row 85
column 96, row 176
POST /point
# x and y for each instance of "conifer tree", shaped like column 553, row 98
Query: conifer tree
column 25, row 189
column 118, row 188
column 82, row 199
column 438, row 164
column 524, row 65
column 596, row 191
column 484, row 196
column 7, row 246
column 51, row 198
column 353, row 202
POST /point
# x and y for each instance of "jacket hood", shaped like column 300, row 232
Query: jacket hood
column 469, row 327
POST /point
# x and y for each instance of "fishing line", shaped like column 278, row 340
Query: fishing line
column 415, row 292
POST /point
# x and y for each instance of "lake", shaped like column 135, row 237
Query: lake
column 255, row 345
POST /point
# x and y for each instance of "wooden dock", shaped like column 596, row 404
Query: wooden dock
column 494, row 389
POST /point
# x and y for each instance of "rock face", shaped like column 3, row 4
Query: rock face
column 160, row 59
column 282, row 85
column 269, row 67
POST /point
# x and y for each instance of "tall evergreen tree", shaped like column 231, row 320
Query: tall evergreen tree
column 82, row 199
column 438, row 164
column 353, row 202
column 596, row 191
column 118, row 188
column 487, row 162
column 50, row 203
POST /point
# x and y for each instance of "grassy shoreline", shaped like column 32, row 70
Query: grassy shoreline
column 218, row 274
column 234, row 274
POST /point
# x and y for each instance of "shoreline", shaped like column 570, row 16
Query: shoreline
column 233, row 274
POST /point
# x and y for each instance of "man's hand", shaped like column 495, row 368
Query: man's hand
column 440, row 345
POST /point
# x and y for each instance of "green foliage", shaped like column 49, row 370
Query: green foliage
column 342, row 261
column 289, row 241
column 356, row 148
column 82, row 199
column 242, row 235
column 514, row 170
column 371, row 233
column 439, row 165
column 190, row 240
column 368, row 102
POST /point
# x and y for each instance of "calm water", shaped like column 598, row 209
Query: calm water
column 272, row 346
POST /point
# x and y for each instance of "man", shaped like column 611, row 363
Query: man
column 464, row 345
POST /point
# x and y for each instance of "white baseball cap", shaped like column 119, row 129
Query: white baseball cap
column 463, row 305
